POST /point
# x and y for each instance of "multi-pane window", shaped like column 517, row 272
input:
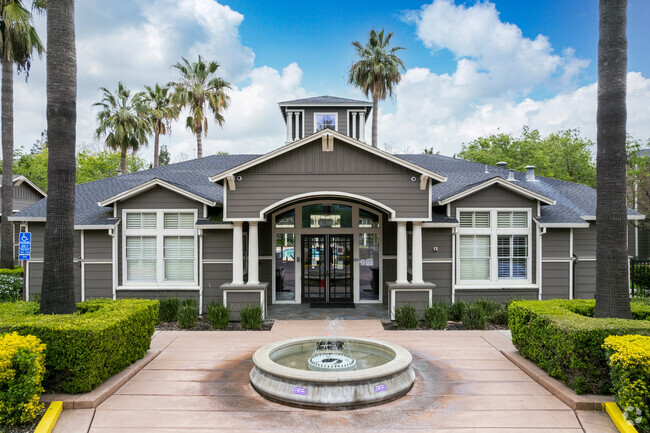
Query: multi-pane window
column 493, row 245
column 325, row 120
column 160, row 247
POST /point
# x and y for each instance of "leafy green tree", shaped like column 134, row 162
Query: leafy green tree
column 638, row 180
column 164, row 158
column 18, row 40
column 561, row 155
column 196, row 86
column 612, row 285
column 120, row 120
column 376, row 71
column 103, row 164
column 33, row 166
column 57, row 291
column 160, row 111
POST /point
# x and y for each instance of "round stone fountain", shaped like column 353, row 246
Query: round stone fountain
column 342, row 373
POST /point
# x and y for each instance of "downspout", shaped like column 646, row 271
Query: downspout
column 540, row 233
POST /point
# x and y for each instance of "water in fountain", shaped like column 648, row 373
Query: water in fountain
column 331, row 353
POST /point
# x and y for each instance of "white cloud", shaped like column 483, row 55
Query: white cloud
column 490, row 91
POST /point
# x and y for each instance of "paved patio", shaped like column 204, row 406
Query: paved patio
column 199, row 383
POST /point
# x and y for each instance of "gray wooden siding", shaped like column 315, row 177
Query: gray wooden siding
column 214, row 275
column 555, row 243
column 217, row 244
column 99, row 281
column 498, row 295
column 98, row 244
column 494, row 197
column 24, row 195
column 36, row 279
column 238, row 301
column 308, row 169
column 584, row 241
column 342, row 118
column 440, row 275
column 159, row 198
column 585, row 280
column 555, row 280
column 440, row 238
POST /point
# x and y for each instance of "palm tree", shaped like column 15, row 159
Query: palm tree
column 159, row 109
column 122, row 121
column 18, row 40
column 612, row 290
column 196, row 86
column 57, row 293
column 376, row 72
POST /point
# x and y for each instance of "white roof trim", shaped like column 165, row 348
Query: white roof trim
column 95, row 227
column 502, row 182
column 629, row 217
column 317, row 135
column 439, row 225
column 320, row 104
column 27, row 219
column 151, row 184
column 583, row 225
column 213, row 226
column 22, row 179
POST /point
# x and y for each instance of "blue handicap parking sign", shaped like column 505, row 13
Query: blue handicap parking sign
column 24, row 246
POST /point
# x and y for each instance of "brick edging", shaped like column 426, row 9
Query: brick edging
column 94, row 398
column 555, row 387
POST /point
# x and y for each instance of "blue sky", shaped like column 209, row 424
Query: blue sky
column 473, row 68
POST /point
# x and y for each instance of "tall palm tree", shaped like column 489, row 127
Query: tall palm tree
column 376, row 71
column 18, row 40
column 159, row 109
column 122, row 121
column 57, row 293
column 612, row 290
column 196, row 86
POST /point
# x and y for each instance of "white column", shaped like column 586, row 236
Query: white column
column 401, row 253
column 297, row 125
column 237, row 254
column 253, row 254
column 289, row 126
column 354, row 126
column 362, row 127
column 416, row 266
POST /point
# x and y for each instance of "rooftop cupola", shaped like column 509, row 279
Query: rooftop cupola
column 304, row 117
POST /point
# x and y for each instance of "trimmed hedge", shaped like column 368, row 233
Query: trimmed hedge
column 86, row 348
column 629, row 367
column 22, row 366
column 561, row 337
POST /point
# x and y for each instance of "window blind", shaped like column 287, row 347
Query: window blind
column 474, row 257
column 141, row 258
column 179, row 258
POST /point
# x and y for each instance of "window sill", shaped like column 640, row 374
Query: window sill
column 158, row 287
column 493, row 286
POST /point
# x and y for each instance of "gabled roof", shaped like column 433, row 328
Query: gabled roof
column 19, row 179
column 325, row 100
column 318, row 135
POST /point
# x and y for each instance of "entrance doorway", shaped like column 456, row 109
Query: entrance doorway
column 327, row 268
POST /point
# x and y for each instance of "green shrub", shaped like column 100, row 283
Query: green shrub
column 456, row 310
column 11, row 287
column 641, row 277
column 629, row 369
column 218, row 315
column 488, row 307
column 18, row 270
column 22, row 366
column 168, row 310
column 406, row 317
column 188, row 316
column 251, row 317
column 473, row 316
column 560, row 337
column 84, row 349
column 436, row 315
column 499, row 317
column 189, row 302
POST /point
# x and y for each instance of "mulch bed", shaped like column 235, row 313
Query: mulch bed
column 204, row 325
column 389, row 325
column 24, row 428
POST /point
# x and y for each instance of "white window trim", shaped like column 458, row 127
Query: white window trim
column 494, row 282
column 159, row 233
column 336, row 119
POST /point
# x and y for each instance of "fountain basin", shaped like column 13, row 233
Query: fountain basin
column 366, row 385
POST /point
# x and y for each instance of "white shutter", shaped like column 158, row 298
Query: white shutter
column 141, row 258
column 175, row 221
column 481, row 220
column 179, row 258
column 504, row 220
column 466, row 219
column 136, row 221
column 520, row 220
column 474, row 257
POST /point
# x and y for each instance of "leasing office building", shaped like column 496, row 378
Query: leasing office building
column 328, row 218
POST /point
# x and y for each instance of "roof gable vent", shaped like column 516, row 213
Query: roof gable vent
column 511, row 175
column 502, row 164
column 530, row 173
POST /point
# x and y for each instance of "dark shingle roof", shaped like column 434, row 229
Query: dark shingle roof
column 333, row 100
column 573, row 201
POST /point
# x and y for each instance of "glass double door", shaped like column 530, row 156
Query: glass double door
column 327, row 268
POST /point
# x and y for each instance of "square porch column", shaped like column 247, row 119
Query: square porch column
column 237, row 253
column 401, row 253
column 253, row 254
column 416, row 266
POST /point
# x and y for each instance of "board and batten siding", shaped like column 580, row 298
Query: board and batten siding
column 36, row 279
column 25, row 195
column 347, row 170
column 440, row 275
column 555, row 280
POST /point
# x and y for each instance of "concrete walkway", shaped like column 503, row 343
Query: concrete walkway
column 199, row 383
